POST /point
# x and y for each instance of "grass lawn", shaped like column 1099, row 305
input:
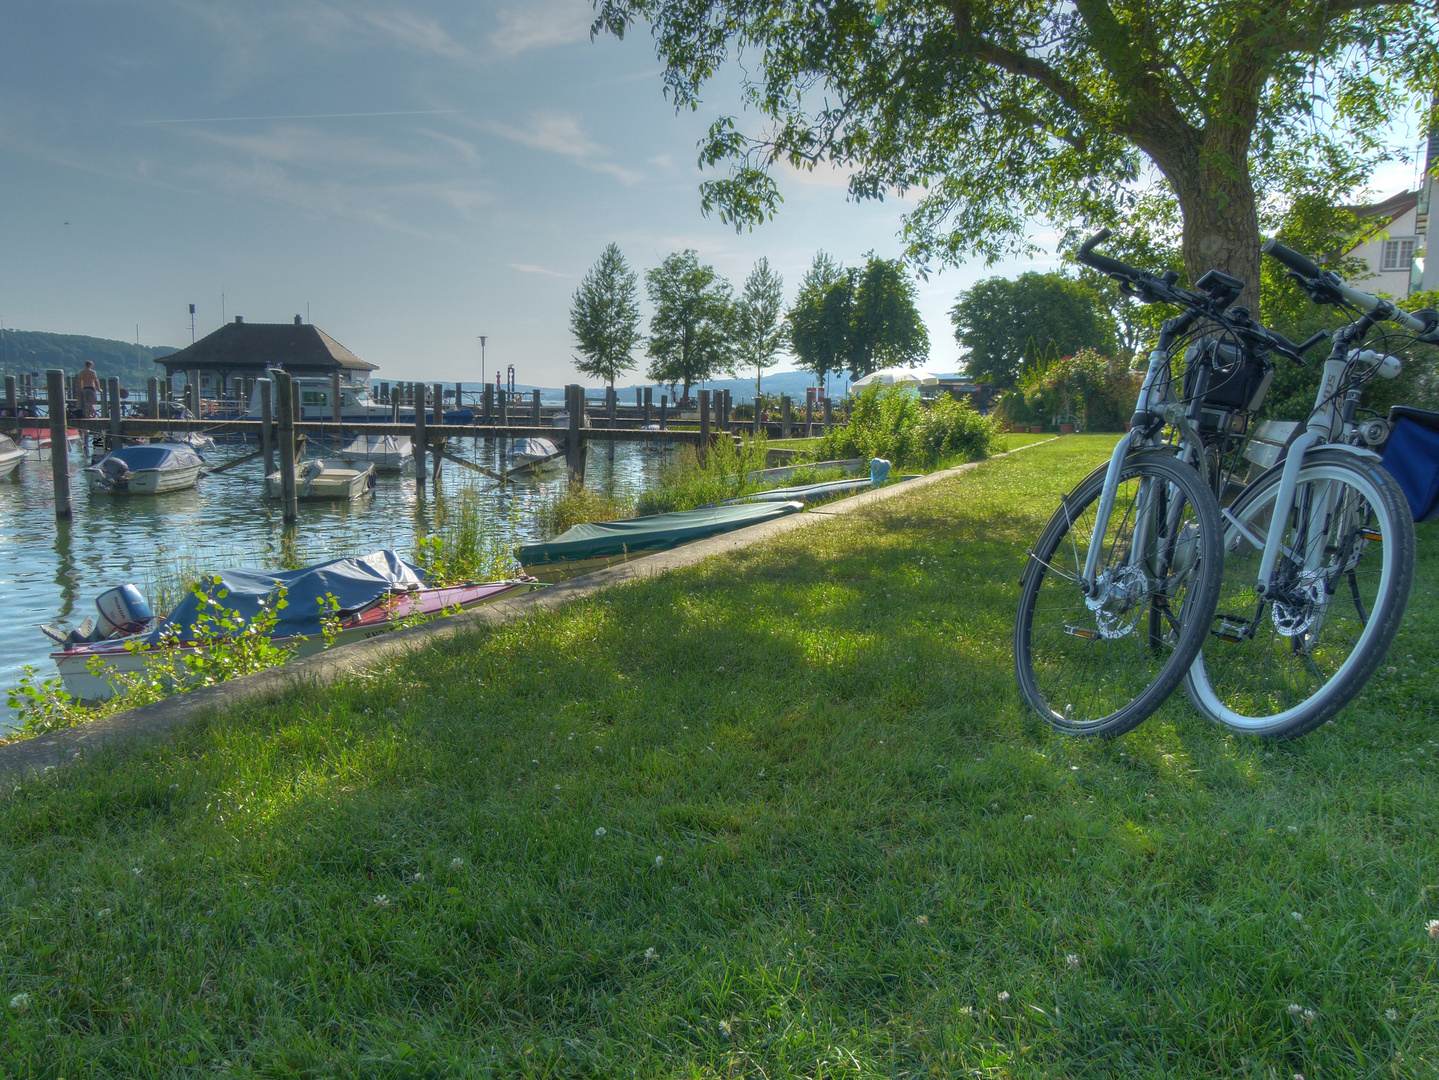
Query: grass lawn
column 780, row 814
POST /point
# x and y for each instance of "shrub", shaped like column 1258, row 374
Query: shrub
column 578, row 505
column 891, row 422
column 468, row 542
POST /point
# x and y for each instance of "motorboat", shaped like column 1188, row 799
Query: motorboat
column 35, row 441
column 356, row 405
column 325, row 480
column 195, row 440
column 533, row 455
column 586, row 548
column 145, row 469
column 10, row 455
column 364, row 596
column 655, row 441
column 387, row 453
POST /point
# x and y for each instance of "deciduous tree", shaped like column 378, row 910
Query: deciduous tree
column 605, row 317
column 886, row 329
column 1008, row 111
column 692, row 328
column 996, row 318
column 759, row 329
column 819, row 322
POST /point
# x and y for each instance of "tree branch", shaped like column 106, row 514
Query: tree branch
column 1015, row 63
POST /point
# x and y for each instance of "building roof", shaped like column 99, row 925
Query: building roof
column 240, row 345
column 1386, row 210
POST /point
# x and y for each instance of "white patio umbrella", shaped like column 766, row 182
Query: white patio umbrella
column 896, row 376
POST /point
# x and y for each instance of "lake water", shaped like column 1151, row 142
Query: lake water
column 51, row 572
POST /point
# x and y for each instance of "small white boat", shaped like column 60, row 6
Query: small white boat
column 35, row 441
column 148, row 469
column 533, row 454
column 654, row 442
column 10, row 455
column 195, row 440
column 387, row 453
column 325, row 480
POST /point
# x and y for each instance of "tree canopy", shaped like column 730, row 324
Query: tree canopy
column 758, row 328
column 885, row 330
column 1005, row 112
column 997, row 318
column 691, row 330
column 819, row 320
column 605, row 317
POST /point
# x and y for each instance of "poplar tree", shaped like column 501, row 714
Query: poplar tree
column 605, row 317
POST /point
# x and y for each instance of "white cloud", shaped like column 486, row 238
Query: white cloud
column 417, row 33
column 560, row 133
column 527, row 268
column 542, row 24
column 306, row 145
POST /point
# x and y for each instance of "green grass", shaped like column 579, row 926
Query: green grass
column 833, row 842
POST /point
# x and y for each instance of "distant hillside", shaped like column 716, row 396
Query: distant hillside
column 34, row 351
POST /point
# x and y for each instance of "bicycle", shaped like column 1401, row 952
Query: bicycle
column 1117, row 596
column 1319, row 549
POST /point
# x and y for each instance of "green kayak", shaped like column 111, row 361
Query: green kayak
column 584, row 548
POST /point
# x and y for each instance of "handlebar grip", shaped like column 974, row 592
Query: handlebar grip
column 1300, row 264
column 1104, row 263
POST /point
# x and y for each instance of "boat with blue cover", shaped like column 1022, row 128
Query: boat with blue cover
column 146, row 469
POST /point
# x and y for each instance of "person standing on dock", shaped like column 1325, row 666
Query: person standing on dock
column 87, row 385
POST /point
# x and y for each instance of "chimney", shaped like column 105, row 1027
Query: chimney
column 299, row 321
column 239, row 318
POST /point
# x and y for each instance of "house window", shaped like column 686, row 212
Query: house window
column 1398, row 254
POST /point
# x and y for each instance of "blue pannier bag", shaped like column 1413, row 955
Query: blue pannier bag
column 1412, row 458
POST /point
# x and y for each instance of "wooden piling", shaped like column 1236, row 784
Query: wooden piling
column 828, row 415
column 152, row 398
column 649, row 402
column 487, row 404
column 664, row 411
column 112, row 404
column 612, row 400
column 704, row 446
column 194, row 382
column 267, row 419
column 419, row 444
column 534, row 408
column 574, row 447
column 503, row 397
column 785, row 412
column 59, row 447
column 285, row 400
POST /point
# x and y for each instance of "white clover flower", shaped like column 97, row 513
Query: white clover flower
column 456, row 863
column 417, row 876
column 1072, row 960
column 1295, row 1010
column 382, row 900
column 1433, row 928
column 1296, row 916
column 1028, row 817
column 103, row 912
column 1310, row 1016
column 136, row 871
column 1003, row 996
column 20, row 1002
column 650, row 955
column 1294, row 828
column 600, row 831
column 921, row 920
column 659, row 860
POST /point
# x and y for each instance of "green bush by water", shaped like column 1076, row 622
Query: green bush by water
column 688, row 483
column 892, row 423
column 578, row 505
column 466, row 542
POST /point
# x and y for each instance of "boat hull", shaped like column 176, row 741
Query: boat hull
column 143, row 481
column 341, row 483
column 73, row 664
column 10, row 460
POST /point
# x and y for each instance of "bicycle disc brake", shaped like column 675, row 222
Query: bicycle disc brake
column 1120, row 596
column 1295, row 610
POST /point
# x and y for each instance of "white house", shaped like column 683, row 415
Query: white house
column 1394, row 246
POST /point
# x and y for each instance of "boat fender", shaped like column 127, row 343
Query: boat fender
column 878, row 470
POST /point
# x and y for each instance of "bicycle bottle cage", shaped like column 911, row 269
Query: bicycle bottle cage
column 1238, row 381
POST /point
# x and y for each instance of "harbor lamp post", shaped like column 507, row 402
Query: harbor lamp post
column 482, row 359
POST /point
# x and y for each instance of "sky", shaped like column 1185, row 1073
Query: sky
column 410, row 176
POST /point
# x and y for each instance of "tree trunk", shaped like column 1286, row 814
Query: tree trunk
column 1209, row 173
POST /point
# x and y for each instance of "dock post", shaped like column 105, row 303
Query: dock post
column 487, row 404
column 459, row 396
column 12, row 403
column 59, row 447
column 649, row 402
column 704, row 446
column 535, row 408
column 809, row 412
column 664, row 412
column 828, row 415
column 112, row 404
column 267, row 418
column 335, row 396
column 439, row 423
column 639, row 398
column 193, row 376
column 728, row 405
column 152, row 398
column 786, row 406
column 504, row 401
column 285, row 406
column 611, row 401
column 419, row 443
column 574, row 449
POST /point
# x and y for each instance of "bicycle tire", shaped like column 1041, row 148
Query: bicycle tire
column 1124, row 673
column 1246, row 679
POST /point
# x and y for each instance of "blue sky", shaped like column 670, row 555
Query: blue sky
column 416, row 175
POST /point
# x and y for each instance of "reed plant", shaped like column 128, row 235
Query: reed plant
column 468, row 541
column 723, row 473
column 579, row 505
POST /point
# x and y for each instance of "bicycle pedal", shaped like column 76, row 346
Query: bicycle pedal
column 1370, row 534
column 1232, row 632
column 1080, row 632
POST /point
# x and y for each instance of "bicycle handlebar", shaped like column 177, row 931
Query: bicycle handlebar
column 1104, row 263
column 1328, row 282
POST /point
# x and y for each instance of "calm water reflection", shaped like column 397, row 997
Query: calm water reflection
column 51, row 572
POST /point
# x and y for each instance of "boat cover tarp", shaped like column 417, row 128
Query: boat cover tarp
column 829, row 489
column 155, row 456
column 657, row 532
column 533, row 448
column 395, row 446
column 355, row 583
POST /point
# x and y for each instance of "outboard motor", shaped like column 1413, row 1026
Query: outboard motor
column 122, row 611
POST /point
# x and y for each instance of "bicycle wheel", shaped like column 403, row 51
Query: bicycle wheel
column 1100, row 664
column 1282, row 667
